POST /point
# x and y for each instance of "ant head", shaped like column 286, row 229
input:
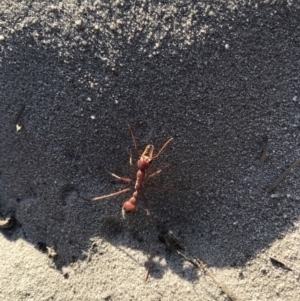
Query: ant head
column 146, row 157
column 144, row 162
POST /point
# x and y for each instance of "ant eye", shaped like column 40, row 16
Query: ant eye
column 150, row 161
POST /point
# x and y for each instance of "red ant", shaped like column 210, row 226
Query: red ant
column 143, row 164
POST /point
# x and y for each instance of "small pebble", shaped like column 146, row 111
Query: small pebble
column 7, row 222
column 274, row 196
column 51, row 252
column 78, row 23
column 18, row 127
column 2, row 38
column 264, row 271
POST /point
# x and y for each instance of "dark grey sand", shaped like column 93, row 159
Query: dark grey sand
column 221, row 77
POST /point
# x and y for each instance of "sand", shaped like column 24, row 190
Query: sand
column 221, row 78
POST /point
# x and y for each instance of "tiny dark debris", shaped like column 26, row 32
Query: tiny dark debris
column 248, row 256
column 264, row 153
column 42, row 246
column 74, row 259
column 279, row 264
column 264, row 271
column 233, row 264
column 58, row 217
column 140, row 239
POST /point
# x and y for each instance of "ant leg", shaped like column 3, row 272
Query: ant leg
column 133, row 139
column 110, row 195
column 163, row 147
column 127, row 180
column 131, row 164
column 158, row 171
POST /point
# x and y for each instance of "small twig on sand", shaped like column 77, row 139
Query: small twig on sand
column 201, row 266
column 264, row 154
column 282, row 176
column 174, row 245
column 280, row 263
